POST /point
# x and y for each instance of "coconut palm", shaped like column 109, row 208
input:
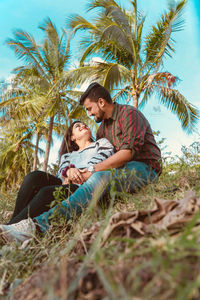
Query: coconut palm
column 16, row 154
column 131, row 59
column 20, row 105
column 42, row 73
column 22, row 110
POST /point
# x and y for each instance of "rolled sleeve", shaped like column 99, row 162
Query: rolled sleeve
column 64, row 162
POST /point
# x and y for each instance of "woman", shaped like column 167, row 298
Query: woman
column 78, row 151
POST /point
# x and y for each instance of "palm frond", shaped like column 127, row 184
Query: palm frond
column 158, row 42
column 119, row 17
column 123, row 94
column 115, row 33
column 139, row 32
column 77, row 22
column 64, row 52
column 51, row 32
column 148, row 92
column 25, row 48
column 79, row 76
column 110, row 74
column 102, row 3
column 88, row 51
column 187, row 114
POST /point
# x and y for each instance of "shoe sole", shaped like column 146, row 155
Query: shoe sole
column 3, row 236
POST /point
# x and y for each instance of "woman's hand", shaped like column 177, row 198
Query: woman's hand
column 65, row 181
column 74, row 175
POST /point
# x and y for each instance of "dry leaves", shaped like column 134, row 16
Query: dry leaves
column 165, row 214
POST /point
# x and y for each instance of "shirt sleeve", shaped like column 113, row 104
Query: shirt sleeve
column 104, row 150
column 133, row 127
column 64, row 162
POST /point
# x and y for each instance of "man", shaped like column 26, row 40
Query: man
column 126, row 128
column 136, row 155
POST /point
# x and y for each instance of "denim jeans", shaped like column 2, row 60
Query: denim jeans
column 129, row 178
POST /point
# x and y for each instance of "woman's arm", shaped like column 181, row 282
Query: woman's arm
column 64, row 162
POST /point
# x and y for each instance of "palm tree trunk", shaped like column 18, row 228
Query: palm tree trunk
column 135, row 98
column 7, row 179
column 36, row 152
column 48, row 145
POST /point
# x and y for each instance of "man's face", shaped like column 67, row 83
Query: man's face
column 94, row 109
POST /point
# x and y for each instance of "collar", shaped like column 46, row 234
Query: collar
column 113, row 115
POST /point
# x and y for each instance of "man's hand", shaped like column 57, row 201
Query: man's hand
column 86, row 174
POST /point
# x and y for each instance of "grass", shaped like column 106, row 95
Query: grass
column 70, row 262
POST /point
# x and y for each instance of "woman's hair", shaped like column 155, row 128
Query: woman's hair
column 67, row 144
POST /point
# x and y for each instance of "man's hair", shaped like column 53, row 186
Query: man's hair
column 94, row 92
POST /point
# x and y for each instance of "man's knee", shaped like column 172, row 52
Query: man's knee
column 103, row 176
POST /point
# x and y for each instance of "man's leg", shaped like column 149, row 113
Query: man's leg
column 31, row 184
column 133, row 176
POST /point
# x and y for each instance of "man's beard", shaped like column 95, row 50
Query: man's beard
column 101, row 116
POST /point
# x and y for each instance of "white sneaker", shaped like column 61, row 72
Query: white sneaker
column 18, row 232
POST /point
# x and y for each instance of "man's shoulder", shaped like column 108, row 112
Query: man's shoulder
column 126, row 108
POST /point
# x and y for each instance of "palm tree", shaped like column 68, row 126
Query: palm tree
column 131, row 59
column 16, row 153
column 42, row 74
column 20, row 105
column 21, row 110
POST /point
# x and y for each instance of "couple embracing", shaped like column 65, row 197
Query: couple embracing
column 124, row 142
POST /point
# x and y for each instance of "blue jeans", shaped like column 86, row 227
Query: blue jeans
column 129, row 178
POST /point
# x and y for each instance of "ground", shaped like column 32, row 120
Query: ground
column 112, row 253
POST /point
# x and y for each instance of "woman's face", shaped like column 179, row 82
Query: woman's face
column 80, row 131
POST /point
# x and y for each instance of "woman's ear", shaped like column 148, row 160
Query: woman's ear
column 72, row 138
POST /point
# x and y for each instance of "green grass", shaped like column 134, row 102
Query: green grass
column 70, row 262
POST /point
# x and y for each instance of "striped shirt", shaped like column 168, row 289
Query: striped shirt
column 127, row 128
column 93, row 154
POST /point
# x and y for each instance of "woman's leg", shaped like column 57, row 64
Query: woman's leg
column 31, row 184
column 42, row 200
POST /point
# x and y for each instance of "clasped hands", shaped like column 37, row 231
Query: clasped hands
column 76, row 176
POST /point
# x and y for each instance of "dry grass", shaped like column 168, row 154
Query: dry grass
column 63, row 264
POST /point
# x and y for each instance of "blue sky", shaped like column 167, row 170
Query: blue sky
column 185, row 64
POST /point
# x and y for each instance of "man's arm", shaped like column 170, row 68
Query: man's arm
column 117, row 160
